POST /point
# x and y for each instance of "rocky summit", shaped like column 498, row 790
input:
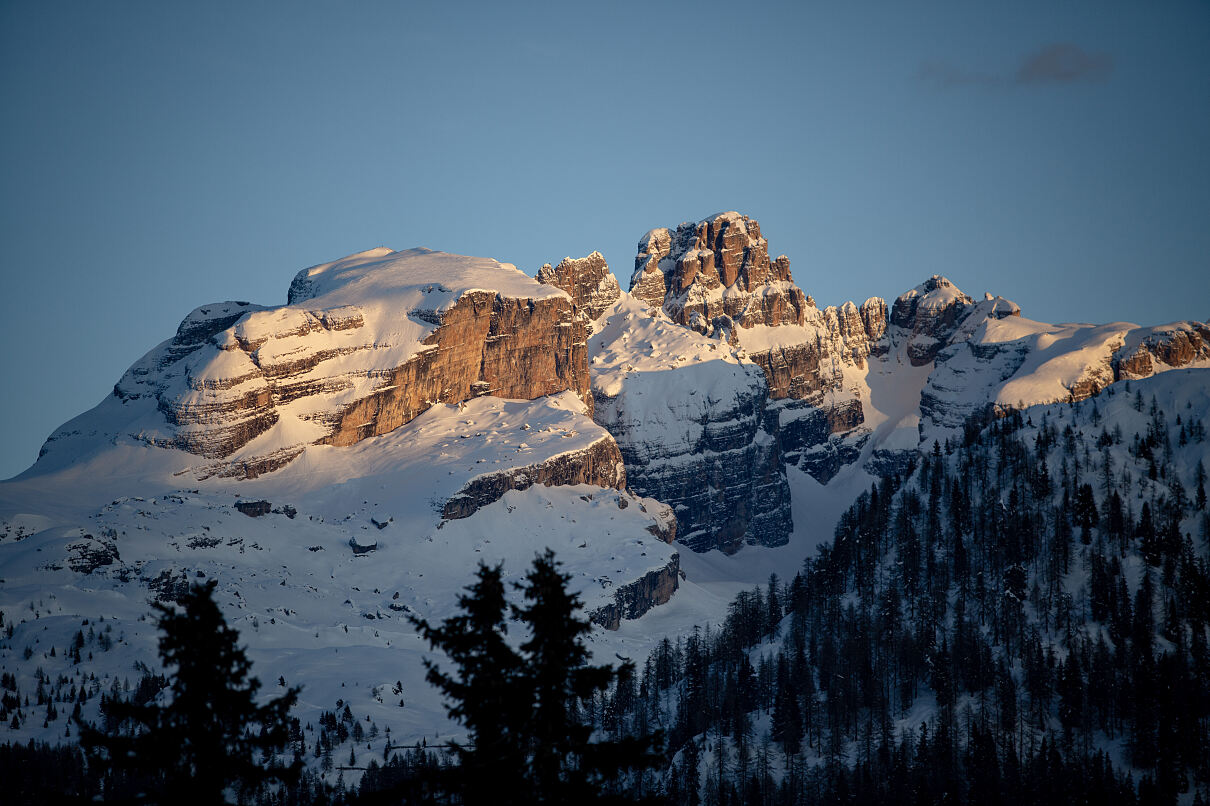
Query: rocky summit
column 364, row 345
column 866, row 385
column 587, row 280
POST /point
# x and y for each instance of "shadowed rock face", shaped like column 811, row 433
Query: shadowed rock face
column 600, row 465
column 587, row 280
column 728, row 487
column 930, row 314
column 633, row 600
column 690, row 419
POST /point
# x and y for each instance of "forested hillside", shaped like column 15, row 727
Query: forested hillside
column 1021, row 618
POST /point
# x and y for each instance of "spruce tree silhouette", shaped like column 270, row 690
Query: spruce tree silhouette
column 529, row 742
column 202, row 742
column 485, row 694
column 565, row 765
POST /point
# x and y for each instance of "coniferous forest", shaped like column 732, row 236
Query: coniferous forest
column 1020, row 619
column 1019, row 616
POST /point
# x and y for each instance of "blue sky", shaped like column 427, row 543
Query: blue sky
column 158, row 156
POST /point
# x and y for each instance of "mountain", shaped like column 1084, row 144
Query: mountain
column 343, row 461
column 364, row 345
column 856, row 385
column 688, row 413
column 337, row 464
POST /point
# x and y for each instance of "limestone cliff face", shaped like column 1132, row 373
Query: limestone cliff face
column 1166, row 347
column 717, row 269
column 485, row 345
column 600, row 464
column 364, row 345
column 635, row 598
column 587, row 280
column 716, row 277
column 691, row 421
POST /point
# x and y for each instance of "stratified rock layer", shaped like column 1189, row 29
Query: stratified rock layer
column 486, row 344
column 634, row 599
column 843, row 381
column 364, row 345
column 587, row 280
column 600, row 464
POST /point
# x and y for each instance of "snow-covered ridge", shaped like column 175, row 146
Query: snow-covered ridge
column 832, row 371
column 364, row 345
column 393, row 279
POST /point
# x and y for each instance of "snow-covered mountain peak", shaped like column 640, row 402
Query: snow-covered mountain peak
column 383, row 276
column 364, row 345
column 932, row 298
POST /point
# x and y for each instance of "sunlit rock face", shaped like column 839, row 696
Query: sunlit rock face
column 871, row 383
column 1149, row 350
column 587, row 281
column 363, row 345
column 716, row 274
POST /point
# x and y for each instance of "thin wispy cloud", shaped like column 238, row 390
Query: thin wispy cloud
column 1064, row 63
column 1054, row 63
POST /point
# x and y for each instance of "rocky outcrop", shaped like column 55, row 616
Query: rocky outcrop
column 930, row 315
column 634, row 599
column 254, row 509
column 690, row 419
column 587, row 280
column 716, row 278
column 600, row 464
column 364, row 345
column 1166, row 347
column 86, row 555
column 716, row 269
column 486, row 344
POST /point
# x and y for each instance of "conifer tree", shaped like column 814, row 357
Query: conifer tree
column 205, row 741
column 529, row 742
column 485, row 694
column 565, row 766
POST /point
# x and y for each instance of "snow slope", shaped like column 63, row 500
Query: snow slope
column 689, row 417
column 320, row 587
